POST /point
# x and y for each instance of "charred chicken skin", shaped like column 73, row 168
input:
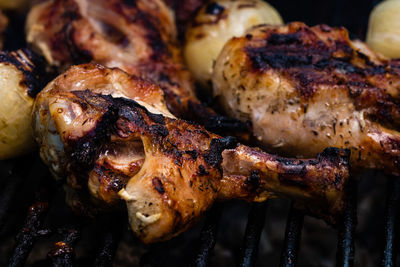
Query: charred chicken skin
column 112, row 136
column 138, row 37
column 307, row 88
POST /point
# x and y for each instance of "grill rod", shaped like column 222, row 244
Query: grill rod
column 292, row 237
column 208, row 235
column 7, row 196
column 255, row 224
column 345, row 253
column 345, row 249
column 62, row 252
column 106, row 254
column 29, row 233
column 391, row 221
column 13, row 183
column 112, row 227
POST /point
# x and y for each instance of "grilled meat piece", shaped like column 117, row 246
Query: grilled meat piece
column 79, row 78
column 138, row 37
column 307, row 88
column 112, row 135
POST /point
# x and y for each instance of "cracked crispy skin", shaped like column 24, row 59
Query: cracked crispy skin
column 138, row 37
column 307, row 88
column 168, row 171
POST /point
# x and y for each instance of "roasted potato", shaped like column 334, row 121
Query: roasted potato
column 14, row 4
column 383, row 34
column 19, row 84
column 216, row 23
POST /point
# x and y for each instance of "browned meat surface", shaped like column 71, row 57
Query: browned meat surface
column 307, row 88
column 111, row 134
column 137, row 36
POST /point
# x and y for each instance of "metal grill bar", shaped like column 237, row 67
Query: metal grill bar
column 292, row 237
column 345, row 250
column 62, row 252
column 208, row 235
column 13, row 182
column 253, row 232
column 7, row 196
column 106, row 253
column 391, row 221
column 29, row 233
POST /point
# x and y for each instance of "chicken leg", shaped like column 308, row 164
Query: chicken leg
column 138, row 37
column 112, row 136
column 307, row 88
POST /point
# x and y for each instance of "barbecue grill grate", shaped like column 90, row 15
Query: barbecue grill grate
column 62, row 252
column 34, row 177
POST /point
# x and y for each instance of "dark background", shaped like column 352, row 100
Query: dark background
column 352, row 14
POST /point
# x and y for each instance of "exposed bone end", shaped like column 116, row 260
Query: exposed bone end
column 145, row 209
column 148, row 219
column 126, row 196
column 318, row 184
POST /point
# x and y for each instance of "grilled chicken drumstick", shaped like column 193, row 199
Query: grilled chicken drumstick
column 111, row 133
column 138, row 37
column 307, row 88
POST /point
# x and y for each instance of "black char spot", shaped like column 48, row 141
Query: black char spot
column 214, row 154
column 159, row 130
column 214, row 9
column 158, row 185
column 202, row 170
column 253, row 181
column 157, row 118
column 131, row 3
column 284, row 39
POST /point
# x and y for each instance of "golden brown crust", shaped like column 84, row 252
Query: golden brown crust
column 168, row 171
column 318, row 56
column 139, row 37
column 318, row 184
column 308, row 88
column 181, row 174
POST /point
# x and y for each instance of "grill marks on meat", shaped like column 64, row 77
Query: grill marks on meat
column 168, row 171
column 168, row 192
column 324, row 56
column 137, row 36
column 306, row 88
column 254, row 175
